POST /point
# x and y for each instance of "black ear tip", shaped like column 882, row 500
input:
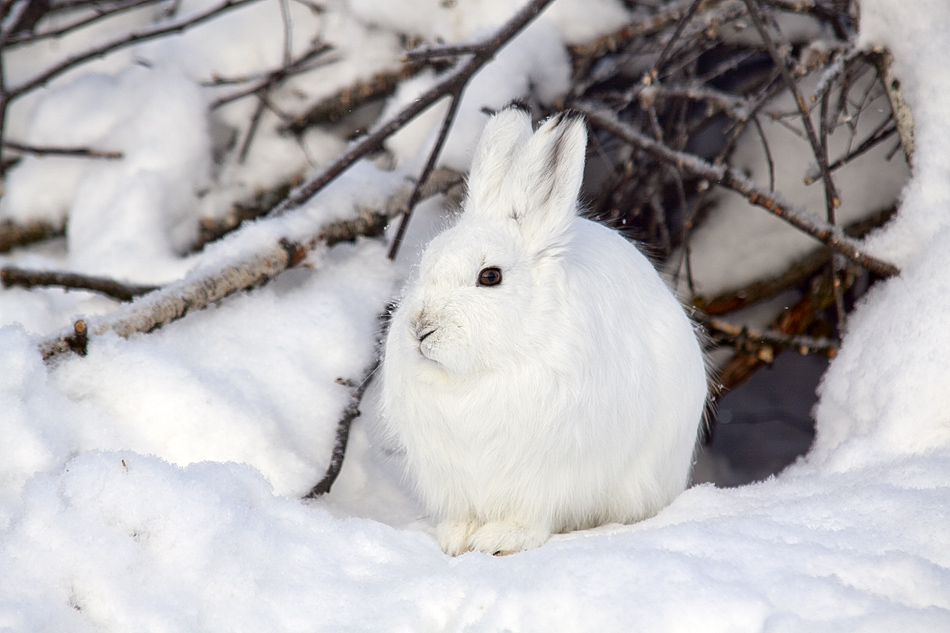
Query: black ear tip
column 570, row 116
column 518, row 104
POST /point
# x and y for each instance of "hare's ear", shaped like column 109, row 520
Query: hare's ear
column 504, row 136
column 548, row 176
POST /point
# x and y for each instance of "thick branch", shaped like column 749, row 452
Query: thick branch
column 13, row 234
column 195, row 292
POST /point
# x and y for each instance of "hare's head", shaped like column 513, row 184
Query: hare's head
column 485, row 286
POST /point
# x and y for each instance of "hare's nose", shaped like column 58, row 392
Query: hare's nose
column 422, row 327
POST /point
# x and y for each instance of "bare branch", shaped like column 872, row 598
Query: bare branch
column 80, row 152
column 175, row 300
column 269, row 80
column 829, row 234
column 13, row 234
column 753, row 341
column 452, row 82
column 426, row 171
column 19, row 39
column 11, row 276
column 122, row 42
column 350, row 413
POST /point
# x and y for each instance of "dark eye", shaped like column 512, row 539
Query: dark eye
column 489, row 276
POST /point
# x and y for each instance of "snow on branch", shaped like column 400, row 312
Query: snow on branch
column 173, row 301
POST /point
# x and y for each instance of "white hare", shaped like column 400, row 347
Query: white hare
column 540, row 375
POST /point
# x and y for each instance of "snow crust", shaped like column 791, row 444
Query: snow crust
column 155, row 483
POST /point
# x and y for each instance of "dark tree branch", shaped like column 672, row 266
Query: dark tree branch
column 79, row 152
column 729, row 178
column 13, row 234
column 136, row 37
column 11, row 276
column 426, row 172
column 19, row 39
column 350, row 413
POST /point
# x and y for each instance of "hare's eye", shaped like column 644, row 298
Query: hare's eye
column 489, row 276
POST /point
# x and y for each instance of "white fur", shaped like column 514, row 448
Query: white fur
column 567, row 396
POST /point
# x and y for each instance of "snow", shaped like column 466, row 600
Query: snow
column 155, row 483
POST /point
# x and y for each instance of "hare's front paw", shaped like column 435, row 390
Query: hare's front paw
column 454, row 535
column 507, row 537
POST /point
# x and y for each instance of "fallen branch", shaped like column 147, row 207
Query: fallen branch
column 13, row 234
column 442, row 181
column 12, row 276
column 796, row 274
column 335, row 107
column 764, row 345
column 173, row 301
column 829, row 234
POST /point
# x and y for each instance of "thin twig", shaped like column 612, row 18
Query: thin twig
column 81, row 152
column 453, row 81
column 829, row 234
column 350, row 413
column 21, row 39
column 817, row 140
column 741, row 337
column 424, row 176
column 271, row 79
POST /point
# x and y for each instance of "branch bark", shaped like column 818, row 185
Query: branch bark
column 14, row 234
column 12, row 276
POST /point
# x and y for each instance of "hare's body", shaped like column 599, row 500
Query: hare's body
column 566, row 395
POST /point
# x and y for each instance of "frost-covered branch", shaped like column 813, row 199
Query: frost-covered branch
column 173, row 301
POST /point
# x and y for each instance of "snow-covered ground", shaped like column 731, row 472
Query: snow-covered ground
column 154, row 484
